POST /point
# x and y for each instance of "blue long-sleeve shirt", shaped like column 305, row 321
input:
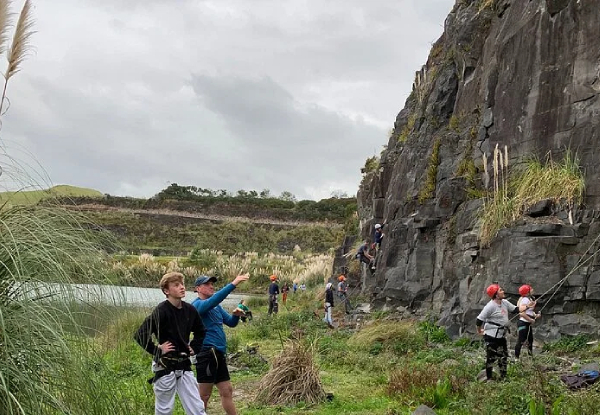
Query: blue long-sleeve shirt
column 213, row 316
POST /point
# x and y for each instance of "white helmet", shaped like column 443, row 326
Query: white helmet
column 377, row 226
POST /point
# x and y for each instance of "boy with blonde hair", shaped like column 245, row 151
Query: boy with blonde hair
column 171, row 324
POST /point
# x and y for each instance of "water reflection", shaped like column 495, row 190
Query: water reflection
column 115, row 295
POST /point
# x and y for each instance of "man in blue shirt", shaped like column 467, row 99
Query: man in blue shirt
column 211, row 366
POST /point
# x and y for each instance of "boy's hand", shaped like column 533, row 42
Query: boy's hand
column 166, row 347
column 238, row 312
column 240, row 278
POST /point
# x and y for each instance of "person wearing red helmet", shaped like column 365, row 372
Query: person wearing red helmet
column 492, row 323
column 528, row 317
column 273, row 293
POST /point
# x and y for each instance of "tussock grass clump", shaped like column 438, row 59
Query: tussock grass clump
column 395, row 336
column 562, row 182
column 293, row 377
column 428, row 189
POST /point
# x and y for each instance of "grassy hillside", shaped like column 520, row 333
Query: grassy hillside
column 30, row 197
column 161, row 234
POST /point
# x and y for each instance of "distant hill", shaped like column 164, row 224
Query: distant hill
column 181, row 218
column 30, row 197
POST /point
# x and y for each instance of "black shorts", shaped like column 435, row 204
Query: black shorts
column 211, row 366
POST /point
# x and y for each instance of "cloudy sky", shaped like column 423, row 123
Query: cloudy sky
column 127, row 96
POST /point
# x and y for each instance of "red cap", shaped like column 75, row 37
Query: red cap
column 492, row 290
column 524, row 290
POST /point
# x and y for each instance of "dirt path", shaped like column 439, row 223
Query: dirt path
column 221, row 218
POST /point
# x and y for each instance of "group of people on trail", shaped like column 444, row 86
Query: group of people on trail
column 274, row 291
column 171, row 323
column 493, row 324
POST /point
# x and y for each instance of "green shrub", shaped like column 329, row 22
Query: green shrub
column 433, row 333
column 568, row 344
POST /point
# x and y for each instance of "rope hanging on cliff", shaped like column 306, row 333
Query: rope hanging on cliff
column 560, row 283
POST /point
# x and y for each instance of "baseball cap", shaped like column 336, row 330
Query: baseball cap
column 203, row 279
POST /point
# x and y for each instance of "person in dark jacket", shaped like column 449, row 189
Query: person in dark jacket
column 171, row 323
column 328, row 305
column 378, row 237
column 273, row 293
column 211, row 366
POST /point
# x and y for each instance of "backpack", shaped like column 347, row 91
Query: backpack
column 581, row 379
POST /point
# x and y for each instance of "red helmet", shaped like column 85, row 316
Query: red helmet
column 524, row 290
column 273, row 277
column 341, row 278
column 492, row 290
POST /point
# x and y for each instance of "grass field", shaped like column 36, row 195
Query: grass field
column 383, row 366
column 30, row 197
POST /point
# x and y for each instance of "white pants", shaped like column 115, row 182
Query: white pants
column 328, row 318
column 184, row 383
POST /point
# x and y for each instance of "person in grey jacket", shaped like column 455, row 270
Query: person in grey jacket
column 492, row 322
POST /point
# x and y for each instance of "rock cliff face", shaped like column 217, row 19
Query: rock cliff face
column 518, row 73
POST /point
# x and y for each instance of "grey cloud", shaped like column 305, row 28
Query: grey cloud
column 125, row 96
column 294, row 140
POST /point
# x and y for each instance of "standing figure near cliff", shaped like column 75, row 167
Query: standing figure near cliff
column 342, row 290
column 273, row 293
column 494, row 319
column 284, row 292
column 328, row 305
column 525, row 323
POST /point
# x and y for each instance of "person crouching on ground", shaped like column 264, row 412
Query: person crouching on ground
column 494, row 319
column 247, row 313
column 171, row 323
column 525, row 323
column 211, row 366
column 328, row 305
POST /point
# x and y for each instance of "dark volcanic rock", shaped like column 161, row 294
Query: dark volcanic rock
column 524, row 75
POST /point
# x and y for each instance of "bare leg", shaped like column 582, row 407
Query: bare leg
column 205, row 390
column 226, row 392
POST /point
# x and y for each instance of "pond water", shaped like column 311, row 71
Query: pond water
column 118, row 296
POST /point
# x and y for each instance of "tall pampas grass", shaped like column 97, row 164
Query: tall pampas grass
column 561, row 182
column 47, row 363
column 20, row 43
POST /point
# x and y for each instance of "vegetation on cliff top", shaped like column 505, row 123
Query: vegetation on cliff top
column 561, row 182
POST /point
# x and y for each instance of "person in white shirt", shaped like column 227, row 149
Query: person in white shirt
column 528, row 317
column 495, row 317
